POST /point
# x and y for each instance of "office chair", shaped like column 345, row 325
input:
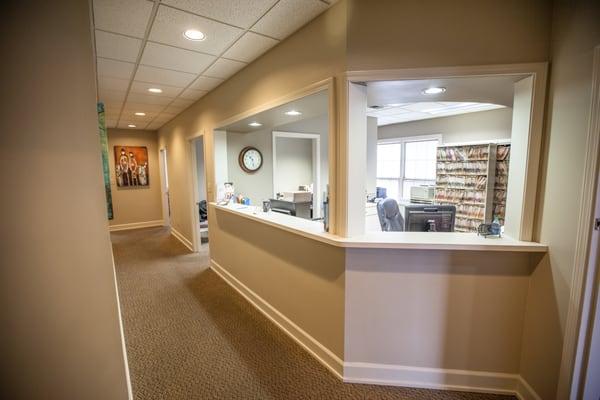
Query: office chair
column 389, row 215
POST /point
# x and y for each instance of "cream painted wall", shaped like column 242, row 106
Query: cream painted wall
column 483, row 125
column 415, row 33
column 372, row 132
column 575, row 33
column 436, row 309
column 60, row 327
column 135, row 205
column 301, row 278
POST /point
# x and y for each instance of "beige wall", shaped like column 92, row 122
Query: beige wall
column 426, row 33
column 60, row 325
column 575, row 32
column 484, row 125
column 140, row 204
column 436, row 309
column 301, row 278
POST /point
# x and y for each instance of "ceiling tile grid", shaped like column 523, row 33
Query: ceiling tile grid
column 140, row 45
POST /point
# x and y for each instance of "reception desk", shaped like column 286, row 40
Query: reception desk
column 419, row 309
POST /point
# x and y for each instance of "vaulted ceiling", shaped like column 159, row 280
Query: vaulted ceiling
column 140, row 45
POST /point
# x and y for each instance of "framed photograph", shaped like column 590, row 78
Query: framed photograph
column 131, row 166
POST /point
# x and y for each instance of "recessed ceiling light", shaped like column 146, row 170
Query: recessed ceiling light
column 395, row 104
column 140, row 114
column 293, row 113
column 155, row 90
column 434, row 90
column 254, row 124
column 193, row 34
column 131, row 126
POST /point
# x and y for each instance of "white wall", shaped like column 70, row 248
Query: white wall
column 294, row 164
column 483, row 125
column 60, row 329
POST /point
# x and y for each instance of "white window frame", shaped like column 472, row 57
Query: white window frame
column 402, row 141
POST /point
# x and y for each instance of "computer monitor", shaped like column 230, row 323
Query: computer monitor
column 429, row 218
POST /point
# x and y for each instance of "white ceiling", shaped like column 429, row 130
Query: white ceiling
column 395, row 102
column 407, row 112
column 140, row 44
column 314, row 105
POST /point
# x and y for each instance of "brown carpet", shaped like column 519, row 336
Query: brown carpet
column 191, row 336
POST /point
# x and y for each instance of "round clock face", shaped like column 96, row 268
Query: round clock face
column 250, row 159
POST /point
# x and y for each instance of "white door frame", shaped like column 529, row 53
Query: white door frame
column 164, row 186
column 316, row 162
column 580, row 314
column 194, row 198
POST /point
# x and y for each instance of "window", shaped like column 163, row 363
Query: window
column 406, row 162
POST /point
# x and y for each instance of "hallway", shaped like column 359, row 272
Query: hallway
column 190, row 336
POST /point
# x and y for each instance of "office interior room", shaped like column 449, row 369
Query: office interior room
column 277, row 158
column 440, row 149
column 213, row 213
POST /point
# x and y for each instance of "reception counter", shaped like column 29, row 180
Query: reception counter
column 442, row 310
column 384, row 240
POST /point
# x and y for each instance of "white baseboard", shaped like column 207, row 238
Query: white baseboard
column 525, row 391
column 310, row 344
column 136, row 225
column 431, row 378
column 182, row 239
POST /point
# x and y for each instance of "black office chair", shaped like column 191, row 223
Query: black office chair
column 389, row 215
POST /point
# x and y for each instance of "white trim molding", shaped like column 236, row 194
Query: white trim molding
column 136, row 225
column 185, row 241
column 310, row 344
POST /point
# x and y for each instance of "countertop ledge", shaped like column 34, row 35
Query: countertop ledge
column 384, row 240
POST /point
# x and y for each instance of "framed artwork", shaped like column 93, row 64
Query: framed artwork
column 131, row 166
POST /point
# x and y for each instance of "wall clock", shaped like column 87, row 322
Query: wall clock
column 250, row 159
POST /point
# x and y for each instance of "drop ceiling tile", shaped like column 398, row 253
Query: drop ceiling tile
column 163, row 76
column 114, row 69
column 175, row 109
column 288, row 16
column 224, row 68
column 129, row 115
column 236, row 12
column 165, row 117
column 154, row 126
column 106, row 83
column 118, row 47
column 107, row 96
column 144, row 107
column 127, row 17
column 179, row 102
column 192, row 94
column 161, row 56
column 123, row 124
column 205, row 83
column 249, row 47
column 148, row 99
column 167, row 91
column 169, row 25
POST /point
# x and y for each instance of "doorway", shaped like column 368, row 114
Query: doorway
column 164, row 187
column 200, row 201
column 296, row 162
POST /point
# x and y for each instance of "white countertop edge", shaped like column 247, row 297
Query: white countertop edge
column 393, row 240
